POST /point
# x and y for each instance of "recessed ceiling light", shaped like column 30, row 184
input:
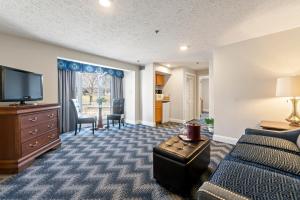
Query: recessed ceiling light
column 184, row 47
column 105, row 3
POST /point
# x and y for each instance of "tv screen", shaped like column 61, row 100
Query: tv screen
column 19, row 85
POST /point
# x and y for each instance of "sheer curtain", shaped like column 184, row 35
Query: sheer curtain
column 66, row 92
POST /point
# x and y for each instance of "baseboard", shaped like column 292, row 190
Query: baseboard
column 133, row 122
column 177, row 120
column 146, row 123
column 229, row 140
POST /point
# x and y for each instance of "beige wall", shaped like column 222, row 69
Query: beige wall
column 244, row 80
column 41, row 58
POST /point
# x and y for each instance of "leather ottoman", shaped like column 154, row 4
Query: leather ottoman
column 177, row 164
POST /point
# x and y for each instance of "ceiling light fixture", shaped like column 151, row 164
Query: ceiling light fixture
column 105, row 3
column 184, row 47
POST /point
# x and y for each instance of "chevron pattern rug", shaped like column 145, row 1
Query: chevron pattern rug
column 114, row 164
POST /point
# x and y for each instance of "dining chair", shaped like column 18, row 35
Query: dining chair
column 80, row 118
column 117, row 113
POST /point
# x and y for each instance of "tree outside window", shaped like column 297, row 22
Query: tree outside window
column 92, row 87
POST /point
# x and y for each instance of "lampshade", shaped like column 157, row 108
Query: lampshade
column 288, row 86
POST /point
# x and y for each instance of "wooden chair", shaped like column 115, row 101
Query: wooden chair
column 118, row 113
column 82, row 119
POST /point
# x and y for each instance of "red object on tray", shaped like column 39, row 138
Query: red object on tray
column 193, row 131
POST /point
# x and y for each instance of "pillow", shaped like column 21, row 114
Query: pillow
column 291, row 135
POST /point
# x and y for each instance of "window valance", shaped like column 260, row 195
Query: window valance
column 81, row 67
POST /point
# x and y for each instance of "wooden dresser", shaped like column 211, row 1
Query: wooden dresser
column 25, row 133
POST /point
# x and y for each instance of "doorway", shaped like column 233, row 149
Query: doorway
column 203, row 95
column 189, row 97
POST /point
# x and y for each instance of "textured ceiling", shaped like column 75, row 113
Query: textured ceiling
column 126, row 31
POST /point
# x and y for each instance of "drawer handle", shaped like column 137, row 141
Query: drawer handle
column 33, row 119
column 34, row 145
column 51, row 136
column 33, row 132
column 50, row 125
column 51, row 116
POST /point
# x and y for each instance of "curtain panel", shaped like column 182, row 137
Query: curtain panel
column 117, row 88
column 67, row 65
column 67, row 91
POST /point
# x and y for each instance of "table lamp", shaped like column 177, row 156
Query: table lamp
column 290, row 87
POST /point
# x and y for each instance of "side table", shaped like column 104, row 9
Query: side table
column 277, row 126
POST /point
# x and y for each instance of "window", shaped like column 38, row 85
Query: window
column 90, row 87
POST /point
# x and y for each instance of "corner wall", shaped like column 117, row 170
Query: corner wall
column 244, row 80
column 147, row 76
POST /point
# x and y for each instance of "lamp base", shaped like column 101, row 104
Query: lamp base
column 294, row 118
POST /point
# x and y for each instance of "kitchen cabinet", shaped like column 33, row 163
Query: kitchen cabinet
column 160, row 80
column 158, row 111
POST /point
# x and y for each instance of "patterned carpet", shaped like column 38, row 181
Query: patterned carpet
column 114, row 164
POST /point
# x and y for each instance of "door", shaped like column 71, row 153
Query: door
column 190, row 97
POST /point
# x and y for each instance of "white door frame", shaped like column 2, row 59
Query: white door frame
column 186, row 74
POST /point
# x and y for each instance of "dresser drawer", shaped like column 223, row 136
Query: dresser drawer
column 36, row 118
column 34, row 131
column 37, row 142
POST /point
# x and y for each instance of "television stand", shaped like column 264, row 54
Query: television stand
column 26, row 133
column 22, row 103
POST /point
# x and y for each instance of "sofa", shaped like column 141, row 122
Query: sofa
column 262, row 165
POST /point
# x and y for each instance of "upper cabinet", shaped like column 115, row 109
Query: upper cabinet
column 160, row 80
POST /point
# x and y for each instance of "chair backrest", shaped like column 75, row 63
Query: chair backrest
column 75, row 107
column 118, row 106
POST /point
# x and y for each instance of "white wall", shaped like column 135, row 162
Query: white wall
column 147, row 76
column 41, row 58
column 244, row 80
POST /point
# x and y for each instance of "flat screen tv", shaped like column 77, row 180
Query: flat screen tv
column 20, row 86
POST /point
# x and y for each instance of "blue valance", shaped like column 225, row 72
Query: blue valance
column 81, row 67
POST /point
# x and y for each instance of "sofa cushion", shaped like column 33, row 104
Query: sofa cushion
column 210, row 191
column 231, row 158
column 255, row 183
column 277, row 143
column 270, row 157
